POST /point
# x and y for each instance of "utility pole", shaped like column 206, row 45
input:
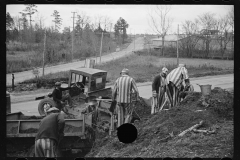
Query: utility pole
column 177, row 46
column 101, row 47
column 73, row 34
column 134, row 41
column 44, row 46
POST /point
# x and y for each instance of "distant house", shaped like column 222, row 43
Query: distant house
column 169, row 40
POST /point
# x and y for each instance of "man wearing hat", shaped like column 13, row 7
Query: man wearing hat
column 122, row 92
column 158, row 90
column 57, row 95
column 50, row 133
column 174, row 82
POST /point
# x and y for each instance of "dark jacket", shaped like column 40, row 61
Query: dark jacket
column 57, row 94
column 156, row 83
column 51, row 126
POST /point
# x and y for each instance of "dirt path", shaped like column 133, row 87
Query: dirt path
column 21, row 76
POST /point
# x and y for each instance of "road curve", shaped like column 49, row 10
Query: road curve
column 21, row 76
column 145, row 90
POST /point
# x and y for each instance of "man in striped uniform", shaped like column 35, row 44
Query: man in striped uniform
column 159, row 90
column 174, row 82
column 122, row 91
column 50, row 133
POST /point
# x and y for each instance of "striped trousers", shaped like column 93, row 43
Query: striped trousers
column 45, row 148
column 124, row 111
column 173, row 94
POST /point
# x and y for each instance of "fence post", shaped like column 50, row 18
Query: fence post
column 13, row 82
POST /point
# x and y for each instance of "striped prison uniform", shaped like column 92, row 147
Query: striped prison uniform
column 50, row 132
column 122, row 91
column 158, row 85
column 174, row 81
column 45, row 148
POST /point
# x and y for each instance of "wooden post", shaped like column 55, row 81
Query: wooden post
column 13, row 82
column 44, row 46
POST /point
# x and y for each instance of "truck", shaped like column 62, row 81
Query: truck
column 92, row 100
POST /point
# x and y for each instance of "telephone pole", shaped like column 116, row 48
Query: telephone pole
column 73, row 34
column 101, row 47
column 44, row 46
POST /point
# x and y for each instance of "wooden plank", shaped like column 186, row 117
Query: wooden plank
column 190, row 129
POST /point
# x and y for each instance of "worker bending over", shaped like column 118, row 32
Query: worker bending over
column 174, row 82
column 50, row 133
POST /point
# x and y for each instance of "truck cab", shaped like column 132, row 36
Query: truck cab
column 91, row 81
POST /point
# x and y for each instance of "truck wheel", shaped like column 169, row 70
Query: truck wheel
column 48, row 102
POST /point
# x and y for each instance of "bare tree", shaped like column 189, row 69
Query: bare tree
column 208, row 23
column 191, row 29
column 107, row 22
column 231, row 23
column 160, row 21
column 98, row 20
column 82, row 21
column 224, row 35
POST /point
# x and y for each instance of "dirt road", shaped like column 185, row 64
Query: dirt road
column 145, row 90
column 21, row 76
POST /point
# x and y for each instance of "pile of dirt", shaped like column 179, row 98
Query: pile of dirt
column 72, row 129
column 13, row 130
column 158, row 133
column 30, row 130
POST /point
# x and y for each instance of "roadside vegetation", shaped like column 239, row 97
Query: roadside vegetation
column 143, row 68
column 28, row 39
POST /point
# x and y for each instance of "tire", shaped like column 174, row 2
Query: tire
column 43, row 102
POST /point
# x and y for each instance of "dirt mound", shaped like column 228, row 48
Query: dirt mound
column 158, row 133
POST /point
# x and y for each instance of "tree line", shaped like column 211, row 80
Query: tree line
column 27, row 33
column 204, row 35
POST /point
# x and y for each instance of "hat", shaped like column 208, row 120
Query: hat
column 164, row 70
column 125, row 70
column 182, row 65
column 47, row 110
column 58, row 84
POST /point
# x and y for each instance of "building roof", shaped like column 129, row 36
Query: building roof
column 89, row 71
column 171, row 37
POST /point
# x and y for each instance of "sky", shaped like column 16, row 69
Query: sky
column 137, row 16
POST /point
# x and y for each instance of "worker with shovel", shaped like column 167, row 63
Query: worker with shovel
column 158, row 90
column 122, row 91
column 50, row 133
column 174, row 82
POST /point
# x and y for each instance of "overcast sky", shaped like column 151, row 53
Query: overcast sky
column 136, row 15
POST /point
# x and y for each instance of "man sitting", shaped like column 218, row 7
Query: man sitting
column 58, row 98
column 187, row 89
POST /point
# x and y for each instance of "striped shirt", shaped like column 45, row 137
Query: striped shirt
column 124, row 86
column 177, row 76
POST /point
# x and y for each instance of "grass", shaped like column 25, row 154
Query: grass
column 144, row 68
column 23, row 59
